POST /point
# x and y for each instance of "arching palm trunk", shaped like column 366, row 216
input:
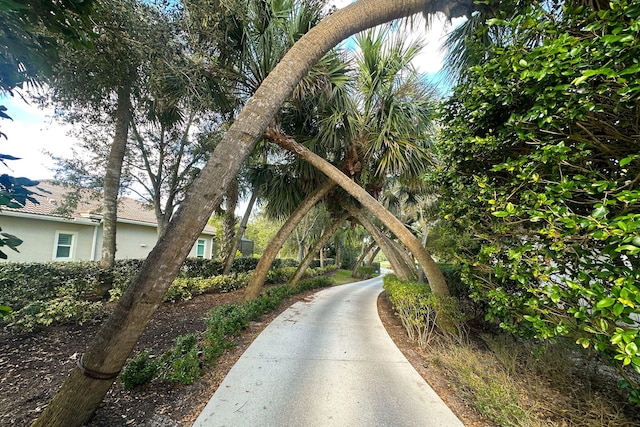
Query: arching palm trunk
column 276, row 243
column 81, row 392
column 320, row 244
column 406, row 257
column 436, row 280
column 362, row 256
column 397, row 264
column 372, row 258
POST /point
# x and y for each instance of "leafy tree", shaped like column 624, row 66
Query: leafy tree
column 156, row 96
column 102, row 79
column 541, row 164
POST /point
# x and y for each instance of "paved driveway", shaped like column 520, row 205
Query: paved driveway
column 327, row 361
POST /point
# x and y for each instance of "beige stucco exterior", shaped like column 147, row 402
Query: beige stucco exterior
column 40, row 238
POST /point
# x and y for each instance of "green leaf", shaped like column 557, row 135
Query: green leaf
column 628, row 248
column 604, row 303
column 600, row 212
column 618, row 309
column 631, row 349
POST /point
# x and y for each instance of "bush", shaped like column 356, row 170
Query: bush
column 316, row 282
column 453, row 276
column 418, row 308
column 365, row 271
column 139, row 370
column 243, row 265
column 63, row 309
column 182, row 363
column 280, row 275
column 200, row 267
column 284, row 262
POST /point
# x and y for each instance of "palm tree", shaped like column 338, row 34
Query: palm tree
column 84, row 389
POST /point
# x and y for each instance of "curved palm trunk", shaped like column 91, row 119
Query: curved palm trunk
column 112, row 177
column 271, row 251
column 411, row 273
column 81, row 394
column 397, row 265
column 372, row 258
column 406, row 257
column 362, row 256
column 320, row 244
column 436, row 280
column 241, row 229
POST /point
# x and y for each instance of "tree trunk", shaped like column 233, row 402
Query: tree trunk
column 80, row 394
column 240, row 234
column 372, row 258
column 322, row 241
column 112, row 176
column 362, row 256
column 229, row 222
column 436, row 280
column 399, row 268
column 271, row 251
column 406, row 258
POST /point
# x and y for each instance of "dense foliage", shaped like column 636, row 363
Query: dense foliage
column 44, row 294
column 541, row 162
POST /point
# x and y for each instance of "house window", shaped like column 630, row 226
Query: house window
column 200, row 248
column 65, row 243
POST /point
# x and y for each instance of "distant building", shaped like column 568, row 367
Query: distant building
column 51, row 236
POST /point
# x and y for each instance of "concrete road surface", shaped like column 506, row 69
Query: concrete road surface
column 327, row 361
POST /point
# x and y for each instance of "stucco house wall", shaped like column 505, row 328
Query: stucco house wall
column 48, row 236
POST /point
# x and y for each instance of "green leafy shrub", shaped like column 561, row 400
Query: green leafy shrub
column 280, row 275
column 199, row 267
column 65, row 308
column 182, row 363
column 314, row 283
column 453, row 276
column 139, row 370
column 365, row 271
column 24, row 283
column 243, row 265
column 418, row 308
column 284, row 262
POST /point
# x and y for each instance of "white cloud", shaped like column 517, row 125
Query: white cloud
column 32, row 131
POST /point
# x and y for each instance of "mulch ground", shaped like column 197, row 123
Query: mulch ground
column 34, row 365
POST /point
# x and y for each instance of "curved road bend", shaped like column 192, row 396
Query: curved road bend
column 326, row 361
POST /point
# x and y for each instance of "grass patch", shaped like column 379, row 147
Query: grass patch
column 519, row 383
column 342, row 277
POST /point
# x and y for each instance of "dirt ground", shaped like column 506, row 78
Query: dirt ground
column 33, row 366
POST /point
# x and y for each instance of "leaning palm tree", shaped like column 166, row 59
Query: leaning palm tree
column 388, row 135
